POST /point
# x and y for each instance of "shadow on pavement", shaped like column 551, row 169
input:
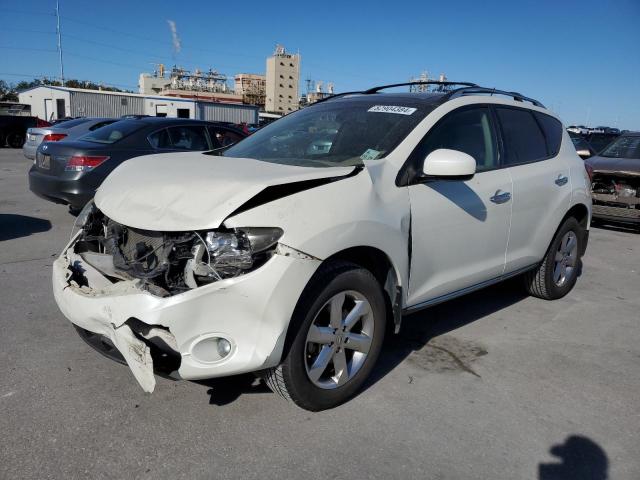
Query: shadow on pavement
column 16, row 226
column 420, row 330
column 225, row 390
column 579, row 459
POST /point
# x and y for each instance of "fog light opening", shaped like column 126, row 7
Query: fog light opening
column 211, row 349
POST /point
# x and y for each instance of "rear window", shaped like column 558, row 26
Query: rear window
column 552, row 131
column 101, row 124
column 523, row 137
column 71, row 123
column 114, row 132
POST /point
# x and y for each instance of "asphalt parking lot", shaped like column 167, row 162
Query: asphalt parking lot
column 495, row 385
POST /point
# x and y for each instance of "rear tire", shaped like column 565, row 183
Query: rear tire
column 15, row 139
column 334, row 338
column 558, row 272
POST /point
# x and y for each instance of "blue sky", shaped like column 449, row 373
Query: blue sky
column 580, row 58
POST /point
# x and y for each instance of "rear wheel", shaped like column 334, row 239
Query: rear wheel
column 15, row 139
column 558, row 272
column 335, row 338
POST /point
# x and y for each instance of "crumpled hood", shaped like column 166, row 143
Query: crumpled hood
column 629, row 166
column 192, row 191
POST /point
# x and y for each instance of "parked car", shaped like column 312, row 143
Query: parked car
column 583, row 148
column 289, row 260
column 579, row 129
column 600, row 140
column 69, row 172
column 615, row 174
column 13, row 129
column 67, row 130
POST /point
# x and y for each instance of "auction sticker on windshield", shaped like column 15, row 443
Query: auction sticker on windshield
column 392, row 109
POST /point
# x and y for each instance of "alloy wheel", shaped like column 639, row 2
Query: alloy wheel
column 339, row 340
column 565, row 259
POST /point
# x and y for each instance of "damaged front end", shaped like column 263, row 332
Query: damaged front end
column 616, row 196
column 135, row 296
column 169, row 263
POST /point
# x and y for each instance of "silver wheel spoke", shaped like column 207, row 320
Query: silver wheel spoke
column 340, row 366
column 357, row 342
column 320, row 364
column 360, row 308
column 335, row 310
column 571, row 244
column 321, row 335
column 559, row 256
column 557, row 273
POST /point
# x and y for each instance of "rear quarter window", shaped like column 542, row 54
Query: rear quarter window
column 552, row 131
column 523, row 137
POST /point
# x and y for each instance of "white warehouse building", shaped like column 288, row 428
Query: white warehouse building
column 51, row 103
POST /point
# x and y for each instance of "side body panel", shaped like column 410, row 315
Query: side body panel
column 541, row 198
column 459, row 236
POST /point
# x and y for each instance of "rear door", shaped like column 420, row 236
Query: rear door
column 541, row 182
column 459, row 229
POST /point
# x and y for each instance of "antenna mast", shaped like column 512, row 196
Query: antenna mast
column 59, row 41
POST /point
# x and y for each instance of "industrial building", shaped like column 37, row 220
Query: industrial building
column 283, row 76
column 252, row 87
column 51, row 103
column 197, row 85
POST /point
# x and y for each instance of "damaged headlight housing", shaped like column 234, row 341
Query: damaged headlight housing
column 223, row 254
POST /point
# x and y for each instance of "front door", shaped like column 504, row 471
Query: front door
column 459, row 229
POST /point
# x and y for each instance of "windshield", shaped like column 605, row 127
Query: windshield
column 623, row 147
column 334, row 133
column 114, row 132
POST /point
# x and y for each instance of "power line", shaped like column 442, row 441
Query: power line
column 7, row 47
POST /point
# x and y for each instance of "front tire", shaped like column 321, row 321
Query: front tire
column 334, row 339
column 558, row 272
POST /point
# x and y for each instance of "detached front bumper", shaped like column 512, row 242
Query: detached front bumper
column 251, row 311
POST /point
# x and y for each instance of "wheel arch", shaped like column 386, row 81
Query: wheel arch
column 580, row 212
column 383, row 269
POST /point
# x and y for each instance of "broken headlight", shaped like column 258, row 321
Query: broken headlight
column 224, row 254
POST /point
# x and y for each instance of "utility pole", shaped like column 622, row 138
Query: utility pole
column 59, row 41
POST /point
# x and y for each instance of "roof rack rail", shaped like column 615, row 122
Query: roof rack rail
column 336, row 95
column 518, row 97
column 429, row 82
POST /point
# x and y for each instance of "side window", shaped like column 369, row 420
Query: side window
column 468, row 130
column 160, row 139
column 221, row 137
column 552, row 131
column 524, row 141
column 188, row 138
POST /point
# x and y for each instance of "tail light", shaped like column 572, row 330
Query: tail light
column 589, row 170
column 80, row 163
column 54, row 137
column 42, row 123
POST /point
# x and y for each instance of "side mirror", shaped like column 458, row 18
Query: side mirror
column 583, row 153
column 449, row 165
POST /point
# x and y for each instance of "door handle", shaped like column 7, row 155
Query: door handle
column 501, row 197
column 561, row 180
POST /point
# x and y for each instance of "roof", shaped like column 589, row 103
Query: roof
column 445, row 93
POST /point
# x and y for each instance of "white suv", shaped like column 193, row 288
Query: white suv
column 292, row 252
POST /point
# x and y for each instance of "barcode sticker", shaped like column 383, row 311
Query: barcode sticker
column 392, row 109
